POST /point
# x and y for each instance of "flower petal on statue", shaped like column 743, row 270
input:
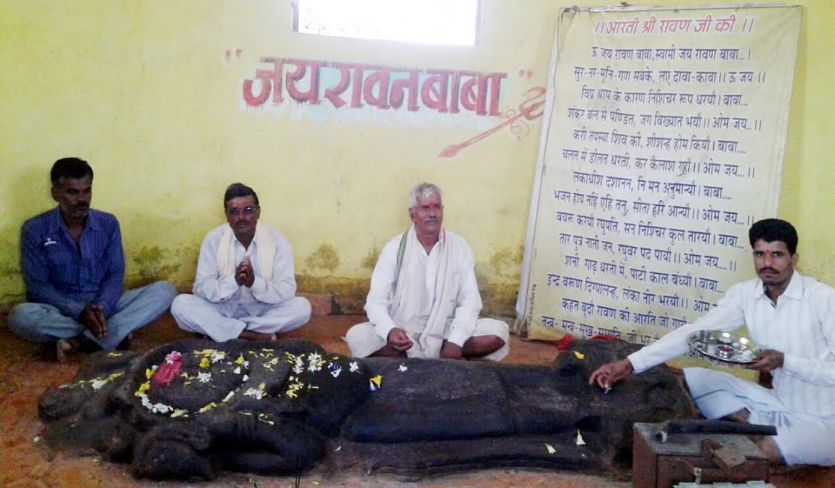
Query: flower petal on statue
column 375, row 383
column 143, row 388
column 207, row 407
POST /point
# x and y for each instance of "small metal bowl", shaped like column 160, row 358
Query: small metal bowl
column 724, row 337
column 725, row 351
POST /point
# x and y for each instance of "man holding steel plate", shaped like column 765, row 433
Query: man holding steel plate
column 792, row 319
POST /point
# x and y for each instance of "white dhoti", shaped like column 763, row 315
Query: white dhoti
column 225, row 321
column 802, row 438
column 363, row 340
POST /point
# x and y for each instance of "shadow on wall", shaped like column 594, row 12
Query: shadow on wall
column 500, row 288
column 151, row 263
column 348, row 293
column 12, row 289
column 324, row 260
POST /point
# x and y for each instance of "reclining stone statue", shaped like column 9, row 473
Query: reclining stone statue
column 191, row 409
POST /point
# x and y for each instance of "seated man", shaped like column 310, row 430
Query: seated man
column 424, row 300
column 792, row 318
column 73, row 267
column 245, row 285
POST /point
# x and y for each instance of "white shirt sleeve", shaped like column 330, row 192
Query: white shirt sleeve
column 727, row 315
column 469, row 302
column 282, row 286
column 379, row 293
column 206, row 283
column 820, row 369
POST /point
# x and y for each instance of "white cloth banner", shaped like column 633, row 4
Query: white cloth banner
column 663, row 143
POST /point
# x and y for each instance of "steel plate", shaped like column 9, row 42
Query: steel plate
column 724, row 346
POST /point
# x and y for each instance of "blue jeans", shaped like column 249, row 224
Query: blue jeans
column 39, row 322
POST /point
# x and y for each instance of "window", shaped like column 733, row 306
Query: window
column 443, row 22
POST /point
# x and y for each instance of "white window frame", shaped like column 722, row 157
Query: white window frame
column 393, row 20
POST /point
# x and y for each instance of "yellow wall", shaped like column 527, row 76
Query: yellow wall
column 149, row 92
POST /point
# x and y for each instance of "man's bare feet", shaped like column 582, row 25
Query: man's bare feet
column 772, row 452
column 765, row 444
column 249, row 335
column 64, row 348
column 740, row 416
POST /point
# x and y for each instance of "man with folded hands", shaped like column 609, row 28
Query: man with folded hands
column 74, row 268
column 245, row 285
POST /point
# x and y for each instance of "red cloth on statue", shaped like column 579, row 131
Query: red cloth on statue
column 169, row 370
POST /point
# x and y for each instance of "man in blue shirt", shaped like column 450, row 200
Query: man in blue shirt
column 73, row 267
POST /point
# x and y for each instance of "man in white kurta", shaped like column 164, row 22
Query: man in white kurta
column 424, row 300
column 792, row 318
column 245, row 285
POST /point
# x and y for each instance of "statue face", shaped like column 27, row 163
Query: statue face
column 193, row 382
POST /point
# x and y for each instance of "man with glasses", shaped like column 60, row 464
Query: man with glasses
column 792, row 318
column 245, row 285
column 73, row 267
